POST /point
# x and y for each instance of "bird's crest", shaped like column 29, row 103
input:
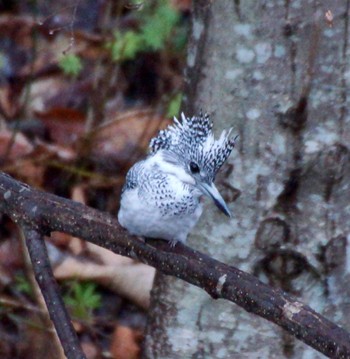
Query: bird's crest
column 192, row 139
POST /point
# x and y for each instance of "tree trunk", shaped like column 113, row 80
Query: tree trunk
column 277, row 72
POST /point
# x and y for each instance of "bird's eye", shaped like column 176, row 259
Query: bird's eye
column 194, row 167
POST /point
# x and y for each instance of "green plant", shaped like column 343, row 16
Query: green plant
column 174, row 105
column 71, row 65
column 82, row 298
column 157, row 25
column 126, row 45
column 23, row 285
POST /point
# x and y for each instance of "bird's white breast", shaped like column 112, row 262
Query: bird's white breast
column 160, row 205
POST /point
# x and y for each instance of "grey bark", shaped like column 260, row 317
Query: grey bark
column 278, row 72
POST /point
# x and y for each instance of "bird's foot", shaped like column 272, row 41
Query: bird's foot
column 173, row 242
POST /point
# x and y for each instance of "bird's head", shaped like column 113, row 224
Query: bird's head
column 190, row 152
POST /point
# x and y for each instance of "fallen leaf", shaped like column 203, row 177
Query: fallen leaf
column 125, row 138
column 64, row 125
column 131, row 280
column 126, row 343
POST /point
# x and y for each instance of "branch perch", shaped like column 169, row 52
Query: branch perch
column 44, row 213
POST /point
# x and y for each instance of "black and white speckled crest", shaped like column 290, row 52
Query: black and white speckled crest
column 192, row 139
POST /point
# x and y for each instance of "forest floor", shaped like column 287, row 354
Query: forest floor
column 84, row 86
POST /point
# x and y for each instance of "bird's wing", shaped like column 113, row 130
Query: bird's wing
column 132, row 179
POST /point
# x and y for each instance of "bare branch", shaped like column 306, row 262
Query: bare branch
column 46, row 213
column 50, row 290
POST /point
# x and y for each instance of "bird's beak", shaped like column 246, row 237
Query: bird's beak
column 211, row 191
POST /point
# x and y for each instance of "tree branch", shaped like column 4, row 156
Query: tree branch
column 45, row 213
column 51, row 293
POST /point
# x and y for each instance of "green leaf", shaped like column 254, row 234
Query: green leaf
column 71, row 65
column 174, row 105
column 126, row 45
column 157, row 23
column 82, row 298
column 158, row 26
column 23, row 285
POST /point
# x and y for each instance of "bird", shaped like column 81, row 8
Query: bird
column 162, row 194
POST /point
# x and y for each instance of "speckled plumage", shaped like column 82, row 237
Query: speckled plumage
column 161, row 195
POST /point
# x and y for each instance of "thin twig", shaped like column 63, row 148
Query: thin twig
column 43, row 314
column 50, row 290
